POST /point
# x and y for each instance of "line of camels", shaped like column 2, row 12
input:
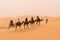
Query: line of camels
column 25, row 22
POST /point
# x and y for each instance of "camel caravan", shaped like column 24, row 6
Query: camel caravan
column 25, row 22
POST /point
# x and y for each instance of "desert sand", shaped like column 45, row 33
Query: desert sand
column 50, row 31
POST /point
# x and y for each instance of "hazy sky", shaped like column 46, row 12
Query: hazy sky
column 29, row 7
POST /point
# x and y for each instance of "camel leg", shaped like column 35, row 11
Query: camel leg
column 39, row 23
column 15, row 28
column 46, row 22
column 24, row 26
column 27, row 25
column 19, row 26
column 8, row 29
column 36, row 23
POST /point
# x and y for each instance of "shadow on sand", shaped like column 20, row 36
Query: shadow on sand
column 3, row 27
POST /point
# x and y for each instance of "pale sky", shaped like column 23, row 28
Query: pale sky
column 13, row 8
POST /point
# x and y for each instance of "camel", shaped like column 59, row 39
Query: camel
column 38, row 20
column 26, row 22
column 11, row 24
column 32, row 21
column 18, row 24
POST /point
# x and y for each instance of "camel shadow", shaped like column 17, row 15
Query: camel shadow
column 3, row 27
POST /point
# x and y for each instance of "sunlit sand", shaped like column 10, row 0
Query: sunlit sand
column 50, row 31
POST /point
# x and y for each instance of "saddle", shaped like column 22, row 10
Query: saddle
column 18, row 23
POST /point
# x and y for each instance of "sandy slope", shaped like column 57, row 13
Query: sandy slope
column 51, row 31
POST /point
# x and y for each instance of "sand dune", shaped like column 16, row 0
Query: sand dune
column 50, row 31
